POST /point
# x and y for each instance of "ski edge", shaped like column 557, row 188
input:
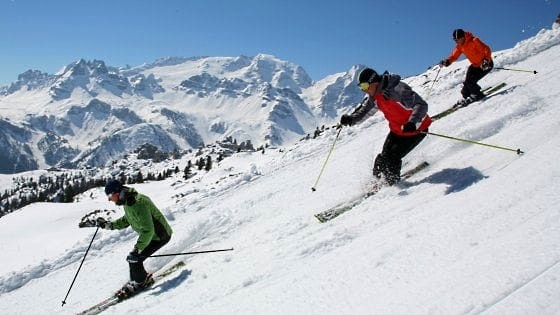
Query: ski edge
column 113, row 300
column 337, row 210
column 488, row 92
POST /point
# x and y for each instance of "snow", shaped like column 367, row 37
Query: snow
column 476, row 232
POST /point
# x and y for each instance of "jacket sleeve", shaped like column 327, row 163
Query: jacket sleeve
column 366, row 109
column 455, row 54
column 410, row 99
column 120, row 223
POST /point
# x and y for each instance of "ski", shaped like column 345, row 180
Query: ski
column 487, row 92
column 114, row 299
column 335, row 211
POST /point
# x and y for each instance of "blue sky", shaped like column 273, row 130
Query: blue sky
column 324, row 37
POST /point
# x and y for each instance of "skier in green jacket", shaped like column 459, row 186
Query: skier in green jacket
column 144, row 218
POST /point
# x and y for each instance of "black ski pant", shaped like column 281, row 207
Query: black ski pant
column 389, row 162
column 137, row 271
column 474, row 74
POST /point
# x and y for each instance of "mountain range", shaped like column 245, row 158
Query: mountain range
column 90, row 114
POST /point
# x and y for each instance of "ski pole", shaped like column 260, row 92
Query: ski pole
column 192, row 253
column 521, row 70
column 325, row 163
column 518, row 151
column 431, row 87
column 64, row 301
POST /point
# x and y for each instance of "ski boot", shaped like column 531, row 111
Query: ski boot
column 132, row 287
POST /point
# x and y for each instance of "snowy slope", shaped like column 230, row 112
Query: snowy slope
column 476, row 232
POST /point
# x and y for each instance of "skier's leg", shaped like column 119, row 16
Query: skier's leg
column 379, row 166
column 137, row 271
column 395, row 150
column 470, row 86
column 390, row 158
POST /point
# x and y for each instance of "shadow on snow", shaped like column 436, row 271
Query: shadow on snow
column 171, row 283
column 457, row 179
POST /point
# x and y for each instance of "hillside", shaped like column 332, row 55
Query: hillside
column 475, row 232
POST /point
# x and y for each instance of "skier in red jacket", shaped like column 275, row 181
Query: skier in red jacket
column 480, row 56
column 405, row 111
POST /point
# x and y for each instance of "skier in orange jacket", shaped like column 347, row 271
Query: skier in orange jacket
column 480, row 56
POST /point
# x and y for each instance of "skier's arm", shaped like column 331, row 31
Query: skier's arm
column 455, row 54
column 365, row 109
column 120, row 223
column 411, row 99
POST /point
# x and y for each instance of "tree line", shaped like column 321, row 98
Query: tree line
column 65, row 186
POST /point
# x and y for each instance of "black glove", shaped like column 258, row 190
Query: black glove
column 485, row 65
column 134, row 257
column 409, row 127
column 346, row 120
column 102, row 223
column 444, row 63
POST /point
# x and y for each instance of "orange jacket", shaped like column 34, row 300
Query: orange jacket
column 473, row 48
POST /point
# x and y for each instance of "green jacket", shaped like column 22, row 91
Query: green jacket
column 144, row 218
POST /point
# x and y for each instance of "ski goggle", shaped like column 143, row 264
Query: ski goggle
column 364, row 86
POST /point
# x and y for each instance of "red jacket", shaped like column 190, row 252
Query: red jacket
column 398, row 114
column 399, row 105
column 473, row 48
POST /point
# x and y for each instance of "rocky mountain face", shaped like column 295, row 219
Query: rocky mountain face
column 90, row 114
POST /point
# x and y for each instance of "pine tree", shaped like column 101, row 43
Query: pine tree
column 200, row 164
column 208, row 163
column 187, row 172
column 139, row 177
column 69, row 193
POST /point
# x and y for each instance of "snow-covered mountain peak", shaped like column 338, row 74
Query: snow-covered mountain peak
column 258, row 98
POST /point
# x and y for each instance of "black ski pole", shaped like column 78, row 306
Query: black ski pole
column 192, row 253
column 94, row 234
column 518, row 151
column 520, row 70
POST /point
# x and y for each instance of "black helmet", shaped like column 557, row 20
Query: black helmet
column 458, row 33
column 113, row 186
column 368, row 75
